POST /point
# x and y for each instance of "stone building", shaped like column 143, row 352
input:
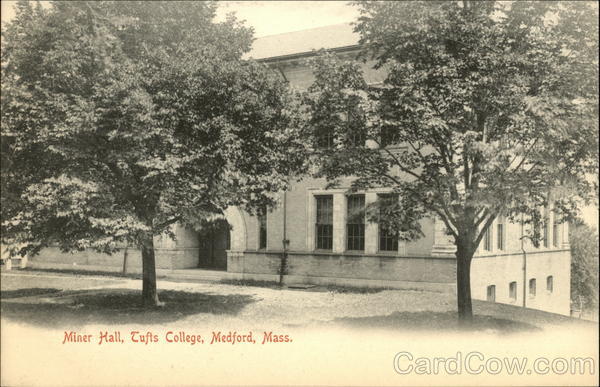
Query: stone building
column 311, row 230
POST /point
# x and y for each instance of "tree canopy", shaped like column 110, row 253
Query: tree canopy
column 121, row 118
column 584, row 266
column 487, row 109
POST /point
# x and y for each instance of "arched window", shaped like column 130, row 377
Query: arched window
column 491, row 293
column 512, row 290
column 500, row 233
column 532, row 286
column 262, row 229
column 550, row 283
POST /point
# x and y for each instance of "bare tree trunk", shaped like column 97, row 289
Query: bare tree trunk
column 149, row 293
column 125, row 259
column 463, row 283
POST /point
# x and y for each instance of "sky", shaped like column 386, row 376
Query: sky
column 268, row 17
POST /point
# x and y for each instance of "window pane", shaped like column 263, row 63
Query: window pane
column 487, row 239
column 512, row 290
column 324, row 224
column 500, row 234
column 536, row 231
column 356, row 127
column 545, row 220
column 491, row 293
column 532, row 286
column 325, row 138
column 550, row 284
column 389, row 136
column 388, row 241
column 355, row 225
column 262, row 224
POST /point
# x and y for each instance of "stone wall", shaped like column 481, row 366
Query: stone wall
column 166, row 258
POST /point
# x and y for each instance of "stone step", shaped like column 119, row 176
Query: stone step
column 201, row 275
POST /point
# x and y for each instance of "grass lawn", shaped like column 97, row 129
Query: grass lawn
column 338, row 336
column 75, row 300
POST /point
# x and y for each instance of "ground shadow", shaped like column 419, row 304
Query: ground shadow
column 307, row 287
column 112, row 306
column 6, row 294
column 527, row 315
column 434, row 321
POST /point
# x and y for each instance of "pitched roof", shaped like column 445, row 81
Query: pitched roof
column 298, row 42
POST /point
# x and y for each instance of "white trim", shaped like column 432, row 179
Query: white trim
column 371, row 228
column 237, row 235
column 340, row 205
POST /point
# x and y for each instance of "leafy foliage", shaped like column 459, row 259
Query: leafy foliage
column 121, row 118
column 584, row 265
column 487, row 109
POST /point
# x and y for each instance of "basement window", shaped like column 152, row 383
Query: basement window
column 512, row 291
column 491, row 293
column 532, row 286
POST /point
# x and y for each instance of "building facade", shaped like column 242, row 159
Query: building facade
column 315, row 237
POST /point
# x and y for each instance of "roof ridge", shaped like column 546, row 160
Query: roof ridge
column 305, row 29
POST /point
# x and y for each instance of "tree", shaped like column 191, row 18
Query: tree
column 122, row 118
column 487, row 108
column 584, row 265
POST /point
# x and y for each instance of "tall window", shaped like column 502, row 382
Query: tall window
column 262, row 230
column 325, row 138
column 545, row 229
column 532, row 286
column 550, row 284
column 555, row 233
column 487, row 239
column 357, row 139
column 537, row 231
column 324, row 225
column 388, row 240
column 500, row 233
column 512, row 290
column 355, row 224
column 491, row 293
column 388, row 136
column 356, row 127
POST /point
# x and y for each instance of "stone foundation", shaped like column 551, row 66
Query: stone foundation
column 347, row 268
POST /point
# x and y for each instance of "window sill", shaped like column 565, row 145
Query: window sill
column 324, row 251
column 389, row 253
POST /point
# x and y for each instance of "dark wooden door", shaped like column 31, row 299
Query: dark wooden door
column 214, row 243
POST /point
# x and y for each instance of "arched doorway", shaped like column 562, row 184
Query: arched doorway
column 220, row 235
column 214, row 241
